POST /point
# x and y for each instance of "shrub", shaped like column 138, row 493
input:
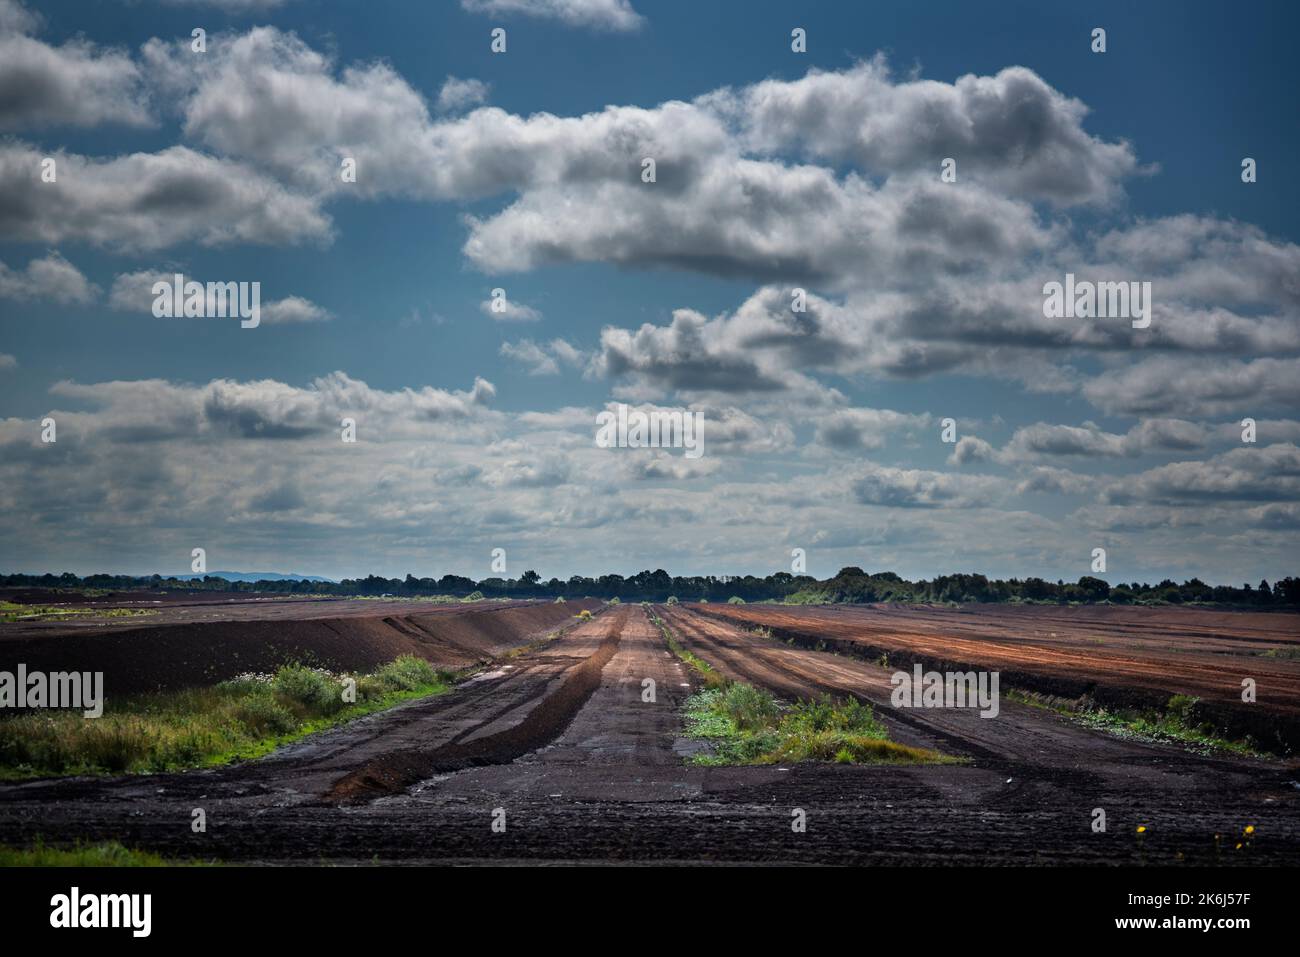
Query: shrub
column 735, row 600
column 264, row 716
column 584, row 615
column 311, row 689
column 406, row 673
column 370, row 687
column 672, row 599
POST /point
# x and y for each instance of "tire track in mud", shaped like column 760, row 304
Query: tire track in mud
column 395, row 772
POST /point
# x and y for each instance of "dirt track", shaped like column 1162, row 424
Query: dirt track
column 586, row 770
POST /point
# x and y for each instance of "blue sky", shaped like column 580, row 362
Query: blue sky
column 1073, row 439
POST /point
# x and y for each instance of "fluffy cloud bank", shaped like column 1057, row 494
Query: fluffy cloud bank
column 830, row 181
column 822, row 193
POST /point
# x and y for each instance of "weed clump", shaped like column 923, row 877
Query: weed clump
column 747, row 725
column 312, row 690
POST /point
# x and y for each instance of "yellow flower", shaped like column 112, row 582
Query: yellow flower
column 1250, row 828
column 1142, row 828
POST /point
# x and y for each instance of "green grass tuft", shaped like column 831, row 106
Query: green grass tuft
column 747, row 725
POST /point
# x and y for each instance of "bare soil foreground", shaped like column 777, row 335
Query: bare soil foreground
column 208, row 639
column 564, row 745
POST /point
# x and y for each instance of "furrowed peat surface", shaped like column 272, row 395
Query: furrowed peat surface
column 561, row 743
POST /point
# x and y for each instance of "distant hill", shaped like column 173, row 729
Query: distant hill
column 253, row 577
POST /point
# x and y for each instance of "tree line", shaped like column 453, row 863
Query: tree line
column 849, row 585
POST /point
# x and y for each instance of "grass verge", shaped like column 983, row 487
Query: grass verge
column 243, row 718
column 103, row 854
column 1174, row 724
